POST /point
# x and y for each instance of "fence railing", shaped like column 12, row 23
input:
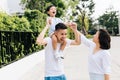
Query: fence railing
column 15, row 45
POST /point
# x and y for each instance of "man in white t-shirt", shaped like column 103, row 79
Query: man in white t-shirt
column 54, row 68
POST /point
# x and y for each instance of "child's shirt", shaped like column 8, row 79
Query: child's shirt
column 53, row 24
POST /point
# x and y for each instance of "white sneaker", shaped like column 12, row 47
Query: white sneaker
column 59, row 55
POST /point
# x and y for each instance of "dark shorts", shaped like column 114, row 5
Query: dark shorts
column 61, row 77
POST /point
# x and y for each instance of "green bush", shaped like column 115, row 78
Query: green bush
column 15, row 31
column 5, row 21
column 13, row 23
column 21, row 24
column 36, row 18
column 15, row 45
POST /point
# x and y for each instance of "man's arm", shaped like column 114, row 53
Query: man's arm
column 73, row 26
column 40, row 38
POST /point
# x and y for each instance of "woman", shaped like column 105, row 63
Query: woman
column 99, row 61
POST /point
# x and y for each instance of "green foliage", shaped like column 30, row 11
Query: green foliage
column 36, row 19
column 5, row 21
column 70, row 34
column 79, row 22
column 16, row 45
column 17, row 39
column 32, row 21
column 21, row 24
column 109, row 20
column 13, row 23
column 34, row 4
column 81, row 11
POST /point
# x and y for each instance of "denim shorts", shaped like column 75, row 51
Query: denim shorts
column 94, row 76
column 61, row 77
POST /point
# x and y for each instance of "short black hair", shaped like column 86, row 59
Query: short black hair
column 48, row 8
column 60, row 26
column 104, row 39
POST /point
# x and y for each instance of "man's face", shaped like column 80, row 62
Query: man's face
column 61, row 35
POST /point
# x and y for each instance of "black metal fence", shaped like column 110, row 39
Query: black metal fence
column 16, row 45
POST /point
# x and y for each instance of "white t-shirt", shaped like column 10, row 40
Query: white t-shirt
column 53, row 24
column 53, row 67
column 99, row 62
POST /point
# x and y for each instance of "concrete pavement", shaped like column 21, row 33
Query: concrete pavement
column 76, row 63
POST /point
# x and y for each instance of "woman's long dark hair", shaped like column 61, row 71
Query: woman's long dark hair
column 104, row 39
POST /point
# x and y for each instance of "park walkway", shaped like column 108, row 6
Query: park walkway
column 76, row 58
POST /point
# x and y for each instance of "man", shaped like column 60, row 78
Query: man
column 54, row 69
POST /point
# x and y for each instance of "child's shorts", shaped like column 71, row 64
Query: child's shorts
column 61, row 77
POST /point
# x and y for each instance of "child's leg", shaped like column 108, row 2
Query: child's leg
column 63, row 46
column 54, row 42
column 54, row 45
column 58, row 53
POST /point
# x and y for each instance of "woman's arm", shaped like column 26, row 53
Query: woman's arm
column 73, row 26
column 85, row 40
column 106, row 76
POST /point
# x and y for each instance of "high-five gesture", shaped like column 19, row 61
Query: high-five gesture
column 73, row 26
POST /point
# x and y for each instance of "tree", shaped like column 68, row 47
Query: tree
column 81, row 11
column 36, row 19
column 34, row 4
column 109, row 20
column 86, row 8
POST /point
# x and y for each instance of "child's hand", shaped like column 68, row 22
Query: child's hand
column 49, row 20
column 73, row 26
column 67, row 24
